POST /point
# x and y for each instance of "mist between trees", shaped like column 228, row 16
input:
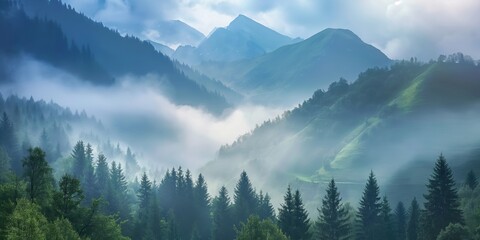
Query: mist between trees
column 92, row 199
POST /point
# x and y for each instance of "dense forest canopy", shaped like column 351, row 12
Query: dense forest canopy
column 108, row 135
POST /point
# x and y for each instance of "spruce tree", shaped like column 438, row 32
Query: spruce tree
column 68, row 198
column 471, row 181
column 301, row 221
column 8, row 141
column 265, row 208
column 117, row 194
column 80, row 160
column 46, row 145
column 442, row 205
column 142, row 228
column 332, row 223
column 222, row 216
column 102, row 175
column 369, row 211
column 4, row 165
column 400, row 222
column 39, row 177
column 386, row 216
column 203, row 221
column 286, row 219
column 413, row 220
column 244, row 199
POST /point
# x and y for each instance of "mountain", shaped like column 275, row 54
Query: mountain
column 385, row 120
column 175, row 33
column 124, row 55
column 288, row 74
column 262, row 36
column 162, row 48
column 243, row 38
column 44, row 41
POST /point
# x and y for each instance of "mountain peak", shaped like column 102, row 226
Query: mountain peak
column 336, row 33
column 242, row 21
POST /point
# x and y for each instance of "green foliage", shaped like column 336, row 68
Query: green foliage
column 293, row 218
column 106, row 228
column 39, row 177
column 222, row 216
column 102, row 175
column 8, row 140
column 256, row 229
column 413, row 220
column 9, row 193
column 61, row 229
column 332, row 223
column 400, row 222
column 144, row 195
column 454, row 231
column 442, row 205
column 265, row 207
column 26, row 222
column 80, row 160
column 369, row 211
column 386, row 224
column 203, row 221
column 67, row 200
column 4, row 165
column 244, row 199
column 471, row 181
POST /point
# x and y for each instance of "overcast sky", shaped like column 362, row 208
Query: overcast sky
column 400, row 28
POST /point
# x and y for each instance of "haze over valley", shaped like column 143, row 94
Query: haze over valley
column 311, row 96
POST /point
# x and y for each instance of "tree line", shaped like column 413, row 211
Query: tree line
column 93, row 200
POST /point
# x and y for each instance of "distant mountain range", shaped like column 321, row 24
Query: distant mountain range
column 243, row 38
column 174, row 33
column 121, row 55
column 290, row 73
column 388, row 119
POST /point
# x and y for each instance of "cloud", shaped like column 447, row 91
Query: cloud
column 136, row 114
column 401, row 28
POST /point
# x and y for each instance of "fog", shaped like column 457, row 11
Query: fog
column 136, row 114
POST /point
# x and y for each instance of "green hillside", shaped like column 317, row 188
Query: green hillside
column 380, row 122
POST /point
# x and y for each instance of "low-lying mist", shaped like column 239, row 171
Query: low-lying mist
column 137, row 114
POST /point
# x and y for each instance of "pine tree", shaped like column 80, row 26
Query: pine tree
column 386, row 217
column 67, row 199
column 203, row 221
column 144, row 192
column 117, row 194
column 413, row 220
column 333, row 219
column 131, row 165
column 369, row 211
column 4, row 165
column 222, row 216
column 442, row 202
column 46, row 145
column 265, row 208
column 8, row 141
column 80, row 160
column 301, row 221
column 471, row 181
column 90, row 182
column 39, row 177
column 400, row 222
column 102, row 175
column 244, row 199
column 144, row 200
column 286, row 219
